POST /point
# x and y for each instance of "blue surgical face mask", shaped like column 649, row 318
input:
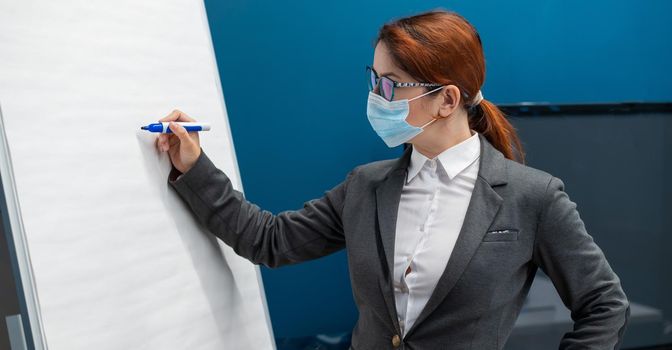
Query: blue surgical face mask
column 388, row 118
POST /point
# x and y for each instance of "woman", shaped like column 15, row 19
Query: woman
column 443, row 242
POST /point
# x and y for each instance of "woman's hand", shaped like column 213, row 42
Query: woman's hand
column 183, row 147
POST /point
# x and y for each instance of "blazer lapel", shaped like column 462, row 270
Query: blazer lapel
column 483, row 206
column 388, row 195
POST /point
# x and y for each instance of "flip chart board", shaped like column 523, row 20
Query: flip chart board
column 110, row 256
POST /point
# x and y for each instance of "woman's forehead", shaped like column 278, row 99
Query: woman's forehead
column 384, row 64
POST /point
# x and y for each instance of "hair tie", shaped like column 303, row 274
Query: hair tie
column 477, row 99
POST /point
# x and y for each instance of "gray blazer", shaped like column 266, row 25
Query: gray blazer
column 519, row 218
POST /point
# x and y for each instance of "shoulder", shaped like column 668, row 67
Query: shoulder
column 536, row 185
column 525, row 177
column 374, row 171
column 366, row 176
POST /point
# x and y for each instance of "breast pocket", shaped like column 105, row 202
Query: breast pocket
column 503, row 235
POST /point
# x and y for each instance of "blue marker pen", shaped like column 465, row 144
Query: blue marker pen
column 163, row 127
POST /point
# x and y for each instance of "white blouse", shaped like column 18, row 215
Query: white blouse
column 433, row 205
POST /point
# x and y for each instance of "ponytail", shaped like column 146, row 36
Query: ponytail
column 487, row 119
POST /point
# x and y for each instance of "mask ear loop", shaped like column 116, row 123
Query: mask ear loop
column 427, row 93
column 430, row 122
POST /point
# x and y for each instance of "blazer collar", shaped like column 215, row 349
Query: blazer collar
column 481, row 211
column 492, row 163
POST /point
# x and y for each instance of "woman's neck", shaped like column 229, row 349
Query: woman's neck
column 433, row 149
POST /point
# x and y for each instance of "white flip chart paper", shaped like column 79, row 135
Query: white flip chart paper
column 117, row 259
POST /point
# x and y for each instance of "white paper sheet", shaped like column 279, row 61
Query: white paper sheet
column 118, row 260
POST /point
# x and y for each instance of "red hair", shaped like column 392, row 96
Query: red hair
column 441, row 46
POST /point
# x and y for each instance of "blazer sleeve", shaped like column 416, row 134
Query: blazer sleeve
column 289, row 237
column 580, row 273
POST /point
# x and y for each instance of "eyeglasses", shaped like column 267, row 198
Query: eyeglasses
column 386, row 85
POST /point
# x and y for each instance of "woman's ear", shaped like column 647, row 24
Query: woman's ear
column 449, row 100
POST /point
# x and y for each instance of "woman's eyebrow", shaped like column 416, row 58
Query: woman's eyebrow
column 390, row 74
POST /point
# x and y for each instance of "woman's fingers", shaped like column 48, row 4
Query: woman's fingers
column 189, row 149
column 162, row 142
column 165, row 141
column 182, row 146
column 173, row 140
column 177, row 116
column 181, row 133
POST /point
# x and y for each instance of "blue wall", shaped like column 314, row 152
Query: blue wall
column 295, row 90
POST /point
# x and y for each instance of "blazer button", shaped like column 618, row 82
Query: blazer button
column 396, row 341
